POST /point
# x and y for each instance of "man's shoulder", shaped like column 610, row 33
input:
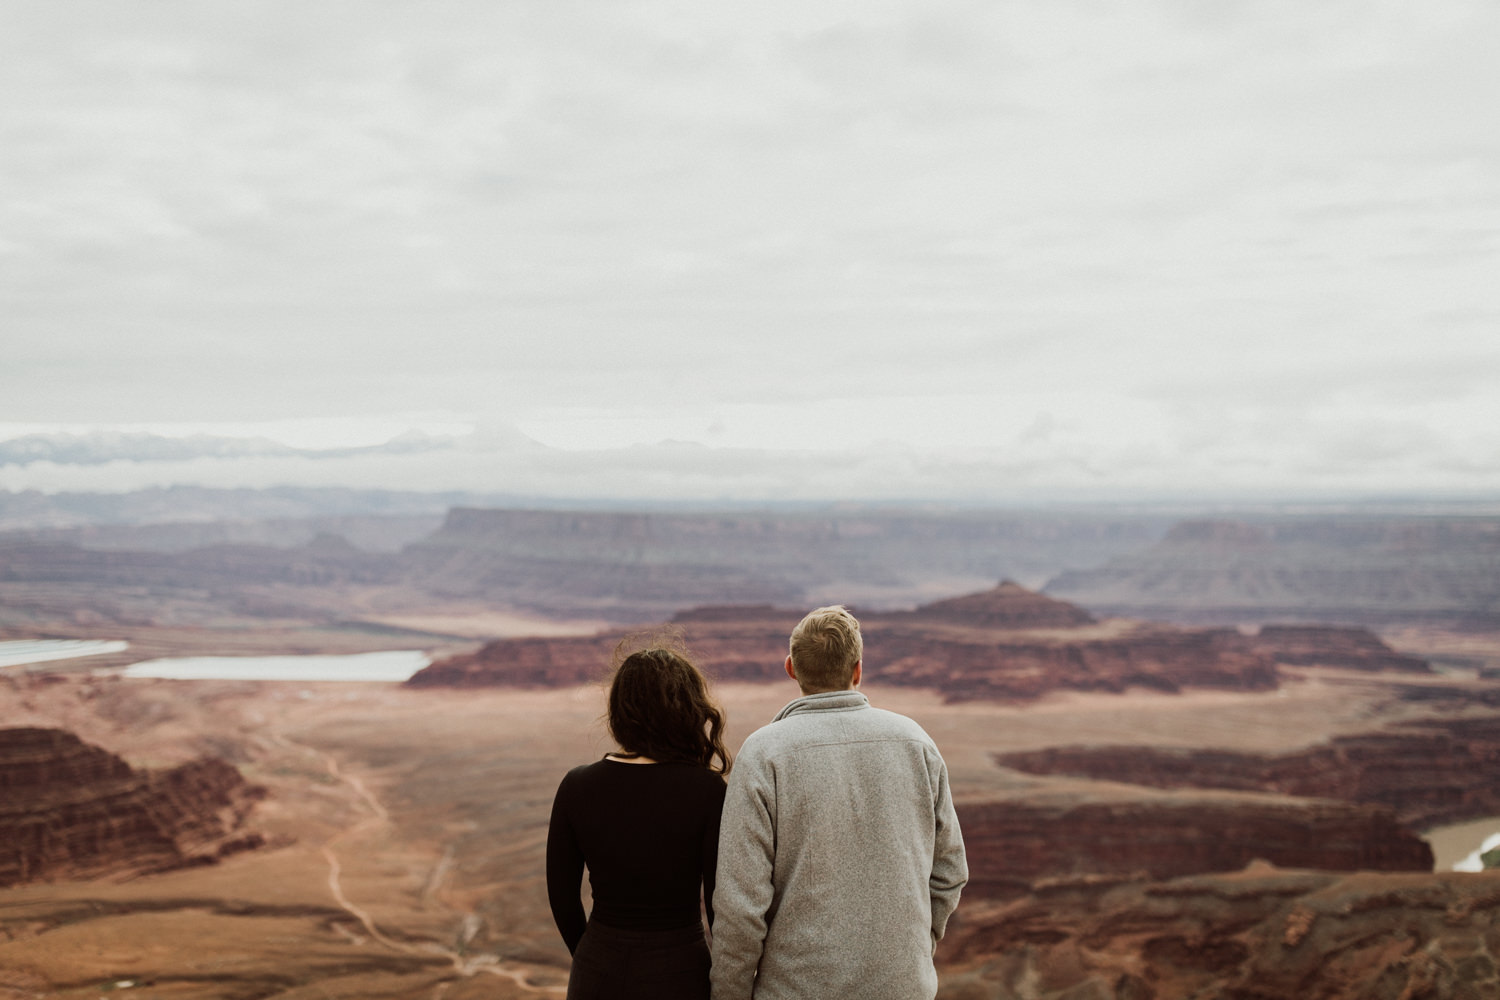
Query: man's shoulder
column 895, row 725
column 810, row 728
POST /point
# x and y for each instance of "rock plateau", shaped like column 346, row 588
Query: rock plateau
column 1015, row 842
column 1261, row 934
column 1004, row 643
column 1348, row 569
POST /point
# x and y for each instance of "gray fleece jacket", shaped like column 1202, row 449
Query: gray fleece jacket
column 840, row 857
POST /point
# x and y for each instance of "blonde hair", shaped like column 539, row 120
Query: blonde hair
column 825, row 647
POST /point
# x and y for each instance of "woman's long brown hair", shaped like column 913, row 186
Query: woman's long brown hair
column 660, row 707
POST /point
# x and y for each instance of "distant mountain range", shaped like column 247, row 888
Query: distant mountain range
column 99, row 447
column 191, row 554
column 1348, row 569
column 32, row 510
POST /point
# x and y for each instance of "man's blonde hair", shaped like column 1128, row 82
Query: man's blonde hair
column 825, row 647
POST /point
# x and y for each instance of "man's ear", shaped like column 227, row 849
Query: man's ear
column 854, row 677
column 790, row 670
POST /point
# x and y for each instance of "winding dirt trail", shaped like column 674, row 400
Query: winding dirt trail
column 378, row 816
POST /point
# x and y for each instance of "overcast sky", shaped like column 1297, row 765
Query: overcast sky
column 986, row 250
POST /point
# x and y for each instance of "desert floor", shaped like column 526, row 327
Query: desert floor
column 406, row 827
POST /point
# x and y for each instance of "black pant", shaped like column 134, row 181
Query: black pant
column 613, row 964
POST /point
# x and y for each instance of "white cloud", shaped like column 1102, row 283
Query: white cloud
column 918, row 223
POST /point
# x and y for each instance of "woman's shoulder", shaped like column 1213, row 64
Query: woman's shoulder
column 584, row 773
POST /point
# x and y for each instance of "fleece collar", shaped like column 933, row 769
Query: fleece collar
column 824, row 701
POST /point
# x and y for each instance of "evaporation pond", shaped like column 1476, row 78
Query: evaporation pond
column 392, row 665
column 16, row 652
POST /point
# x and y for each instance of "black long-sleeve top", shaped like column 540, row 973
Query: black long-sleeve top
column 649, row 834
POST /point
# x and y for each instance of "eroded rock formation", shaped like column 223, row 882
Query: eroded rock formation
column 1328, row 646
column 1006, row 642
column 637, row 566
column 729, row 642
column 1007, row 606
column 1431, row 773
column 68, row 809
column 1016, row 841
column 984, row 664
column 1347, row 569
column 1254, row 935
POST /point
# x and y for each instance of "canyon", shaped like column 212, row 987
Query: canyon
column 1016, row 841
column 615, row 566
column 1428, row 773
column 1006, row 642
column 1237, row 805
column 1259, row 934
column 211, row 557
column 1354, row 569
column 403, row 831
column 71, row 810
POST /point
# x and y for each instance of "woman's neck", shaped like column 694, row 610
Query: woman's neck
column 625, row 757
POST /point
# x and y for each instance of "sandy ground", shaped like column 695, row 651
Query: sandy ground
column 407, row 826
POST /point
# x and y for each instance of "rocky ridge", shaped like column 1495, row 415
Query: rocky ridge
column 1004, row 643
column 1428, row 773
column 1347, row 569
column 1017, row 841
column 1260, row 934
column 1331, row 646
column 72, row 810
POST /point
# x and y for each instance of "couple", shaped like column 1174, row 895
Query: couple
column 831, row 876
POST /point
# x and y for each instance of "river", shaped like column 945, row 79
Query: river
column 1457, row 847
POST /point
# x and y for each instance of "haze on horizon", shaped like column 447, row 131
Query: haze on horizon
column 653, row 250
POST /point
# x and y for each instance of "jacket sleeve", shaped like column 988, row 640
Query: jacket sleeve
column 565, row 872
column 744, row 890
column 950, row 867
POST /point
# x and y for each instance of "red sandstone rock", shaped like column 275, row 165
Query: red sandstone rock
column 1254, row 935
column 996, row 665
column 1008, row 606
column 1014, row 842
column 1002, row 643
column 68, row 810
column 1430, row 773
column 1326, row 646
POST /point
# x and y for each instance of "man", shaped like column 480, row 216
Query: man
column 840, row 857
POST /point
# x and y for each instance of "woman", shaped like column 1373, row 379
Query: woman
column 645, row 820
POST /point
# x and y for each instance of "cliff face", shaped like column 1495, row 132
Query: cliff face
column 1254, row 935
column 71, row 810
column 1015, row 842
column 640, row 566
column 980, row 665
column 1345, row 569
column 1428, row 774
column 1002, row 643
column 1008, row 606
column 736, row 643
column 1327, row 646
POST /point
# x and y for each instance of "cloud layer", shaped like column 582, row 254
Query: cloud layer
column 1062, row 245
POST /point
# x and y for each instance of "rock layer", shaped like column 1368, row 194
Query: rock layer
column 1002, row 643
column 1428, row 774
column 1254, row 935
column 1014, row 842
column 1347, row 569
column 1327, row 646
column 985, row 664
column 68, row 809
